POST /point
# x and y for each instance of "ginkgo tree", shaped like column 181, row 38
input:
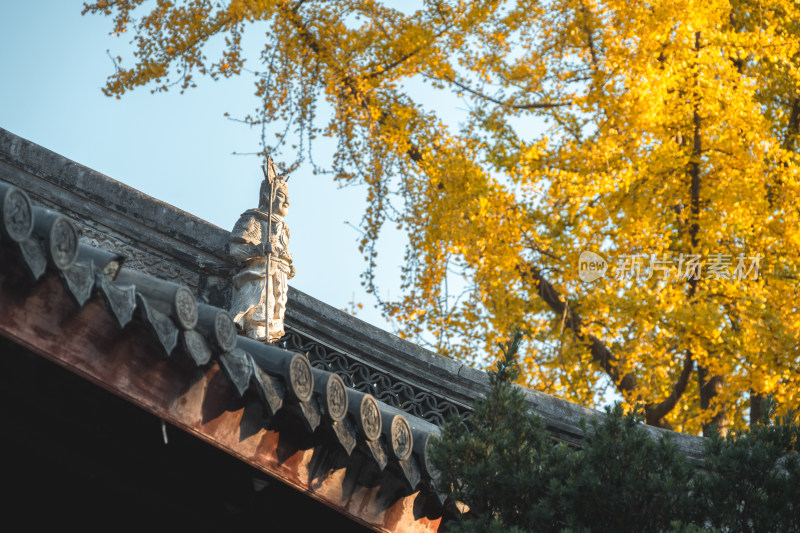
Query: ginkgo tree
column 659, row 138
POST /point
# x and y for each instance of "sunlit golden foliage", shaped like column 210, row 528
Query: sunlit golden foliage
column 655, row 128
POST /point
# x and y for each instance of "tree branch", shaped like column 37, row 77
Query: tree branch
column 479, row 94
column 314, row 45
column 654, row 414
column 600, row 353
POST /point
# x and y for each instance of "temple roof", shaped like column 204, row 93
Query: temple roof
column 130, row 293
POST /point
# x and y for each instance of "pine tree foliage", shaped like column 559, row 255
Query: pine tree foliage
column 662, row 135
column 503, row 465
column 751, row 479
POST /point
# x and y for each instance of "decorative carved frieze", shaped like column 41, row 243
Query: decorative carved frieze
column 380, row 384
column 136, row 259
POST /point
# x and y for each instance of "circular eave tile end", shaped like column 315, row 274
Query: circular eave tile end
column 17, row 215
column 300, row 377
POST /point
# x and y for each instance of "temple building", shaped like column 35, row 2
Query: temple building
column 129, row 401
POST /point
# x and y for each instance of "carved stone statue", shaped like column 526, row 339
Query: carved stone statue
column 259, row 245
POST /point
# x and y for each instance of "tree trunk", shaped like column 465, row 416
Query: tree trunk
column 755, row 408
column 709, row 388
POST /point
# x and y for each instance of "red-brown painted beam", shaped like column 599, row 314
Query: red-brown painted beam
column 126, row 362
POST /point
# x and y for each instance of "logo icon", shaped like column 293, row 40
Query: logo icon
column 591, row 266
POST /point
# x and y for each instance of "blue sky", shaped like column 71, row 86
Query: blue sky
column 177, row 148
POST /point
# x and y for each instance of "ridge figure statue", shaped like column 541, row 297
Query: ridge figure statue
column 259, row 245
